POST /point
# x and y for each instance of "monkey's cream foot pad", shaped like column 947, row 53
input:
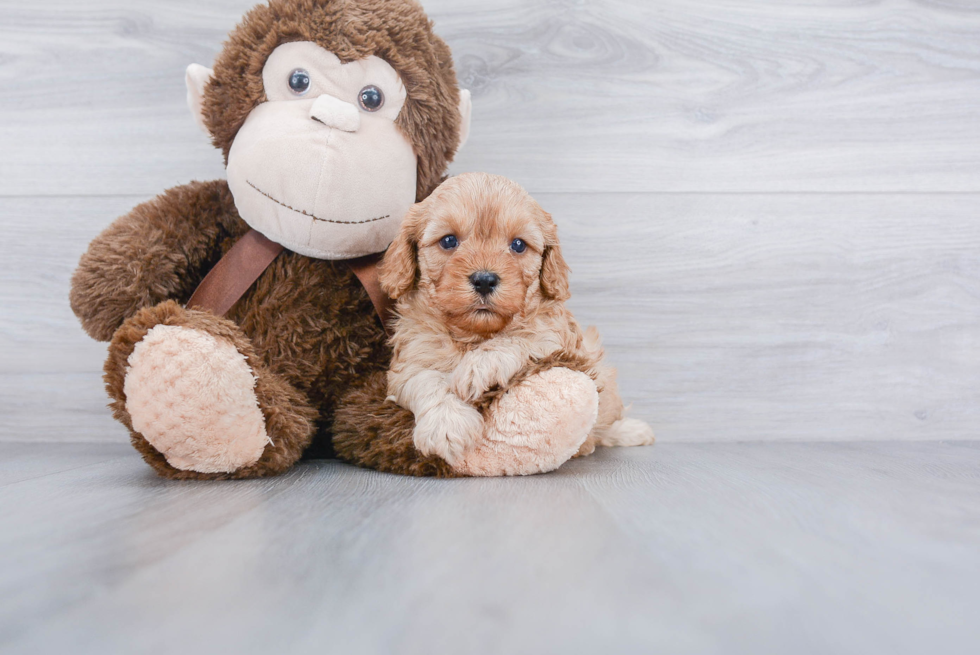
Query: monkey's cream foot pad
column 192, row 396
column 537, row 426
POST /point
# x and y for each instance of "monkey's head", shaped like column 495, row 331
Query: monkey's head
column 334, row 116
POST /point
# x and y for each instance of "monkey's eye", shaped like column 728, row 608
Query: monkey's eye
column 448, row 242
column 299, row 81
column 518, row 246
column 371, row 98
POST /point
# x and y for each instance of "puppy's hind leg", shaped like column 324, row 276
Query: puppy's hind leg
column 626, row 432
column 612, row 428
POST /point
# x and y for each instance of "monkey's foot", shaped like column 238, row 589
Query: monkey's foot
column 535, row 427
column 192, row 396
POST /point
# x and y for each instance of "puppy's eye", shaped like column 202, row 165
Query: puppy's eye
column 299, row 81
column 518, row 246
column 448, row 242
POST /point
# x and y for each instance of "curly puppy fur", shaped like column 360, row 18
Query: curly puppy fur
column 372, row 431
column 457, row 350
column 307, row 327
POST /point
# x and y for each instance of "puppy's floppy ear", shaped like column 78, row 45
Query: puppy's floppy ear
column 399, row 269
column 554, row 269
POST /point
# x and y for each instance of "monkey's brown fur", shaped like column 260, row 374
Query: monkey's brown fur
column 287, row 411
column 307, row 328
column 376, row 433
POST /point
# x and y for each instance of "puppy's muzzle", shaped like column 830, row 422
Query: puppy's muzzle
column 484, row 282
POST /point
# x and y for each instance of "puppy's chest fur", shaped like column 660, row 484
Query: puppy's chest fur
column 549, row 344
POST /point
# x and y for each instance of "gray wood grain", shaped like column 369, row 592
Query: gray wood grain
column 62, row 407
column 603, row 95
column 798, row 317
column 24, row 461
column 730, row 316
column 696, row 548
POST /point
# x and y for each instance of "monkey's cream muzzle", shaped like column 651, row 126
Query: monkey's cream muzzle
column 314, row 171
column 332, row 187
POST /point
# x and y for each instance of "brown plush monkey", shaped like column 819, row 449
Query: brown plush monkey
column 334, row 117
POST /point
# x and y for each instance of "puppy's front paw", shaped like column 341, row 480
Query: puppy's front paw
column 448, row 429
column 471, row 379
column 480, row 370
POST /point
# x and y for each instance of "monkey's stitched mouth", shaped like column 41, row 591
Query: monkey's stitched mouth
column 315, row 218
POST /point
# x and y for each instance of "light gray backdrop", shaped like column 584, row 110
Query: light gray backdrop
column 770, row 207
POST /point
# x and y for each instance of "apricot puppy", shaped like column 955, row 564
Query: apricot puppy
column 481, row 287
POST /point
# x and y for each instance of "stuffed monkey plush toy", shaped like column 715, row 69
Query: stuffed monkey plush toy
column 239, row 312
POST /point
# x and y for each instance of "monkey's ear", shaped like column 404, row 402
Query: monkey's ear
column 197, row 79
column 465, row 114
column 400, row 267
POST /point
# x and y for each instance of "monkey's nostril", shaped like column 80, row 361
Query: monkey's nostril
column 484, row 282
column 336, row 113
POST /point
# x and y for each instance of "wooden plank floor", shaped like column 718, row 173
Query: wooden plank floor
column 860, row 548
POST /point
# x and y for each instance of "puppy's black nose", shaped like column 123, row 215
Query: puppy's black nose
column 484, row 282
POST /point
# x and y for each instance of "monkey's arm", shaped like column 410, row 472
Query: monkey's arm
column 159, row 251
